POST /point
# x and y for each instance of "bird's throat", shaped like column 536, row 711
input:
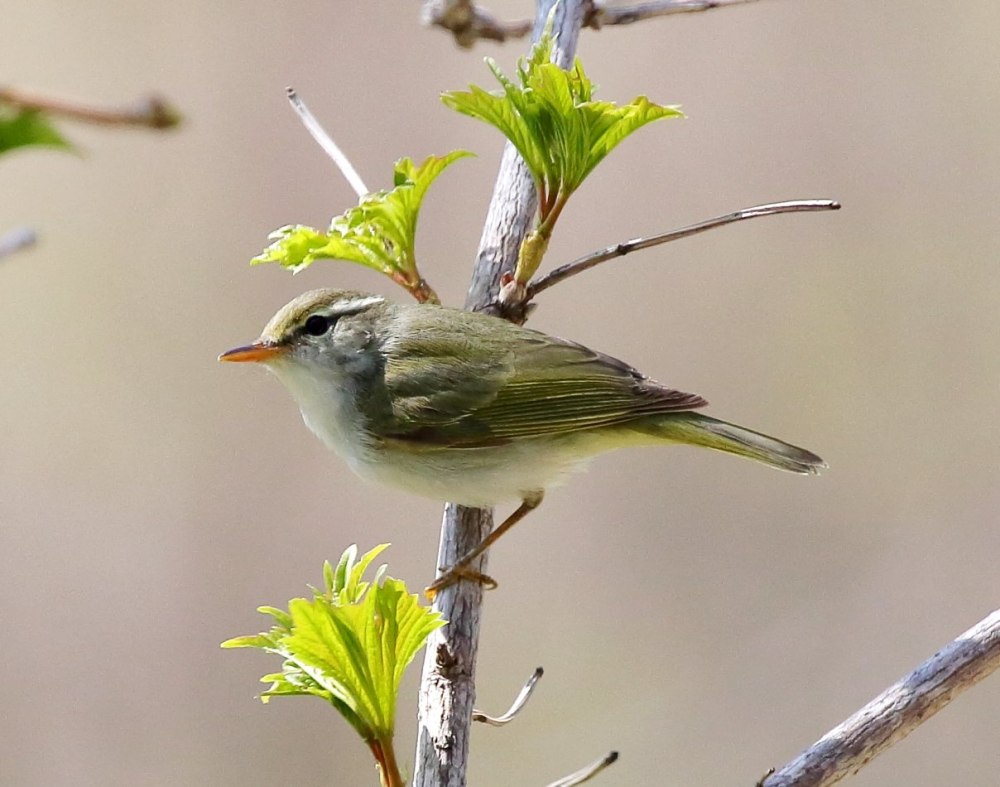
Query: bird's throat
column 329, row 408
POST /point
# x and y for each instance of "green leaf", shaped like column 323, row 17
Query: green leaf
column 281, row 618
column 550, row 116
column 350, row 644
column 380, row 233
column 353, row 588
column 28, row 127
column 261, row 641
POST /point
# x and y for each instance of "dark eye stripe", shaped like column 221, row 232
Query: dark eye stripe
column 323, row 321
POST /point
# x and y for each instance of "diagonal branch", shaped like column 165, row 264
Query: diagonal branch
column 620, row 250
column 602, row 14
column 325, row 141
column 897, row 711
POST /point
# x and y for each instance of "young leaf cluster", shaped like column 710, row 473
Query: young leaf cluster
column 349, row 644
column 552, row 118
column 380, row 233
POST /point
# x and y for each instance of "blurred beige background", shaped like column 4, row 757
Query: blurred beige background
column 705, row 616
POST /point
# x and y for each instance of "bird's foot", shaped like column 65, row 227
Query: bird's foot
column 453, row 575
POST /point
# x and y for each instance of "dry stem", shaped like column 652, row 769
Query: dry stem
column 897, row 711
column 151, row 112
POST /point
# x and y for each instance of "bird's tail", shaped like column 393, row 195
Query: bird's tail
column 697, row 429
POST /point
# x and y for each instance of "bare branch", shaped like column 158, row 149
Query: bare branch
column 892, row 715
column 519, row 702
column 325, row 141
column 16, row 239
column 620, row 250
column 447, row 687
column 469, row 23
column 150, row 112
column 588, row 773
column 602, row 14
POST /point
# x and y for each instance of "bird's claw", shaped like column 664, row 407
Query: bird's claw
column 453, row 575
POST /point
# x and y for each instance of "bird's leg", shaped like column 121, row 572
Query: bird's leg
column 461, row 569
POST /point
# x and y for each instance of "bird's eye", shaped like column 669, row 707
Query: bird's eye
column 318, row 324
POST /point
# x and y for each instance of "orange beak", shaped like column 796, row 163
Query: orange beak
column 257, row 352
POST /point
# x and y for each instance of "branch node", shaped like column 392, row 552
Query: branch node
column 512, row 292
column 444, row 658
column 467, row 23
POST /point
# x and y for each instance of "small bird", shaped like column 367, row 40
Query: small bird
column 468, row 408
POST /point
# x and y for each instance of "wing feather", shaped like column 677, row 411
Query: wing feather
column 469, row 380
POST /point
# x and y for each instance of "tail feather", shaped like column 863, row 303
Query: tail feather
column 703, row 430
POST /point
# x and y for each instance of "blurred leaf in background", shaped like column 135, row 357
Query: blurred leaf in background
column 26, row 127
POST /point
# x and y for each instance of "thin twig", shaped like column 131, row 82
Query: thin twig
column 896, row 712
column 326, row 142
column 588, row 773
column 620, row 250
column 17, row 239
column 150, row 112
column 519, row 702
column 602, row 14
column 468, row 23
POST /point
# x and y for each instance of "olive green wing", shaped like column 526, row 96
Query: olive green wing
column 473, row 380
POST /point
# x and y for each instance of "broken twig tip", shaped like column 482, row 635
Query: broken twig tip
column 325, row 141
column 519, row 702
column 588, row 773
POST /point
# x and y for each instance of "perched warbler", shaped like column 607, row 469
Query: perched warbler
column 468, row 408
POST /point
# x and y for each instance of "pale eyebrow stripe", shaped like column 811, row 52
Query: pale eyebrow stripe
column 354, row 305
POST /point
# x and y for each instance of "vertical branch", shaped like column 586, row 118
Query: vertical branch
column 447, row 688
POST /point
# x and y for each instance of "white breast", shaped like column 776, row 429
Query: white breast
column 469, row 476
